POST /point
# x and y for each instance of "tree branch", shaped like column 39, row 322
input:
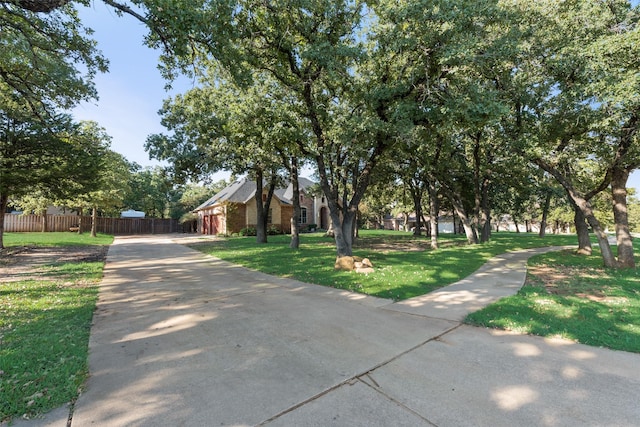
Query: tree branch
column 45, row 6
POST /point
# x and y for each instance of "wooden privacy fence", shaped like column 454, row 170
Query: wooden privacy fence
column 115, row 226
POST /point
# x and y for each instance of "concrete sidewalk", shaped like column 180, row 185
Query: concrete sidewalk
column 182, row 339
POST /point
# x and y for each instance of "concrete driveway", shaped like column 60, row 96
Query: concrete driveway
column 183, row 339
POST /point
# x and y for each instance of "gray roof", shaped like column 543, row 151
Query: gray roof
column 280, row 194
column 238, row 191
column 244, row 189
column 303, row 183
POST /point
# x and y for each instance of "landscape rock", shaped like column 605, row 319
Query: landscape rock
column 345, row 263
column 351, row 263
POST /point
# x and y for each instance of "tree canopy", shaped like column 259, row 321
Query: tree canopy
column 477, row 103
column 47, row 61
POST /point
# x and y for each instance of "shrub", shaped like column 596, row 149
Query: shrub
column 248, row 231
column 272, row 230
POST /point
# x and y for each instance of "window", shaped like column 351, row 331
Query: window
column 270, row 216
column 303, row 216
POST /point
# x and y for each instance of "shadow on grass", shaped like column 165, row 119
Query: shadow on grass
column 584, row 321
column 398, row 274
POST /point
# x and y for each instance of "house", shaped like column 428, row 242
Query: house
column 446, row 223
column 234, row 208
column 314, row 208
column 132, row 214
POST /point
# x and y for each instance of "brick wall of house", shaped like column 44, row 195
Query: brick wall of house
column 236, row 217
column 307, row 202
column 285, row 214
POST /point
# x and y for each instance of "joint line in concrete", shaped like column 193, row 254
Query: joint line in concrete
column 356, row 378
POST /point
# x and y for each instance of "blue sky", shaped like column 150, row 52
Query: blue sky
column 133, row 91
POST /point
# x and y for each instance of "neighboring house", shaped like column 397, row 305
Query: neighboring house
column 445, row 223
column 132, row 214
column 234, row 208
column 55, row 210
column 51, row 210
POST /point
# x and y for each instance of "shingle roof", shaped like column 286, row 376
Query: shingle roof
column 242, row 191
column 303, row 184
column 239, row 191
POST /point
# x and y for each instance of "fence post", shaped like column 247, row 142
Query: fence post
column 31, row 223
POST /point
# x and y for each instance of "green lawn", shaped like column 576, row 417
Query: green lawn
column 45, row 323
column 591, row 304
column 55, row 239
column 44, row 328
column 399, row 274
column 572, row 297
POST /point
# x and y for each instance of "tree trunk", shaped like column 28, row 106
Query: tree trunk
column 485, row 212
column 584, row 205
column 623, row 236
column 94, row 221
column 334, row 183
column 356, row 230
column 416, row 195
column 582, row 230
column 295, row 231
column 434, row 210
column 545, row 214
column 330, row 232
column 80, row 212
column 262, row 211
column 458, row 206
column 603, row 239
column 341, row 209
column 4, row 201
column 343, row 233
column 485, row 221
column 472, row 237
column 481, row 182
column 515, row 223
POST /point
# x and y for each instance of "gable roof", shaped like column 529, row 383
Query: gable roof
column 241, row 191
column 303, row 184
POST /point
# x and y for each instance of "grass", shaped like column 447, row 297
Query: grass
column 575, row 298
column 399, row 274
column 45, row 323
column 44, row 329
column 55, row 239
column 572, row 296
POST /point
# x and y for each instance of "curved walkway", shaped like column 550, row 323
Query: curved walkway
column 183, row 339
column 501, row 276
